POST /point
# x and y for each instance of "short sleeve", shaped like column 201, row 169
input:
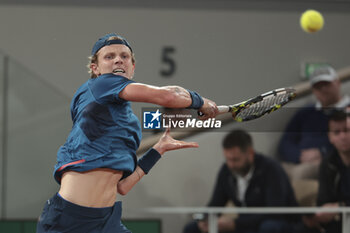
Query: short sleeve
column 106, row 88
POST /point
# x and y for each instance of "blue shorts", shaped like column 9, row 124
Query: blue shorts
column 61, row 216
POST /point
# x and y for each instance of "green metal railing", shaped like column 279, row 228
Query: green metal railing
column 134, row 225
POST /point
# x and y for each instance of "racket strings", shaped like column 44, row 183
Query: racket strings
column 264, row 106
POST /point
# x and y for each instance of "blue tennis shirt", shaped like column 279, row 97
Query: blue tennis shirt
column 105, row 133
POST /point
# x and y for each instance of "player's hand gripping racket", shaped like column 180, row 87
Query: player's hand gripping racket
column 260, row 105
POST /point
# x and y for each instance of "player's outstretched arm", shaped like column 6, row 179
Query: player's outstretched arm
column 170, row 97
column 165, row 143
column 167, row 96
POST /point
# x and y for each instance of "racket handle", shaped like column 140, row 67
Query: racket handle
column 223, row 109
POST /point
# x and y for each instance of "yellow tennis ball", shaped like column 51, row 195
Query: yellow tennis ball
column 311, row 21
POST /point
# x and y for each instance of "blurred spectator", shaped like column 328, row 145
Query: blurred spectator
column 334, row 178
column 305, row 140
column 347, row 111
column 249, row 179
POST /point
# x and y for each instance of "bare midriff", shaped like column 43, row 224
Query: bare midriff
column 96, row 188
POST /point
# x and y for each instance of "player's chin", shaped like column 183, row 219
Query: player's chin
column 125, row 75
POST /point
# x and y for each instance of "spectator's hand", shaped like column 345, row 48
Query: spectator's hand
column 327, row 217
column 167, row 143
column 209, row 109
column 311, row 221
column 312, row 155
column 226, row 224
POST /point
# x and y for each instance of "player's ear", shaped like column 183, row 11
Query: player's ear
column 95, row 69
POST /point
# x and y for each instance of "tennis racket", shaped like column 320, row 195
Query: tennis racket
column 260, row 105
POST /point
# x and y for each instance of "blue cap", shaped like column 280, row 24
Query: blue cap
column 103, row 41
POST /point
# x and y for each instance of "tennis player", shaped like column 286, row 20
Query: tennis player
column 98, row 160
